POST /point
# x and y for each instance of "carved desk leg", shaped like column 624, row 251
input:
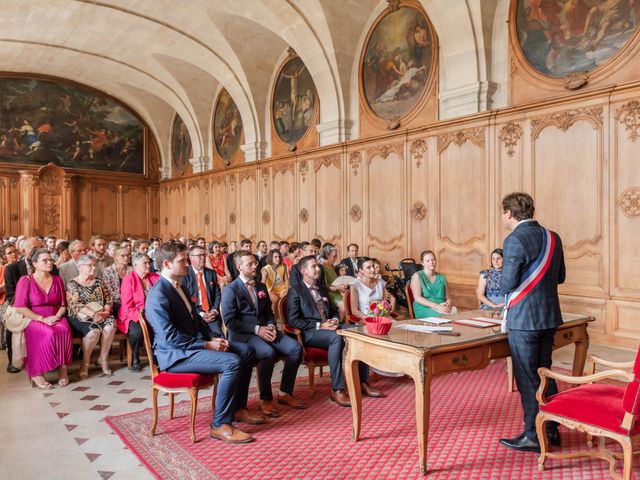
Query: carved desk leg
column 422, row 379
column 580, row 353
column 352, row 376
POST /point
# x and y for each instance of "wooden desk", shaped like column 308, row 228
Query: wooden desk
column 423, row 356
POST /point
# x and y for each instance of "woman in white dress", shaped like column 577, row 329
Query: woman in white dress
column 368, row 288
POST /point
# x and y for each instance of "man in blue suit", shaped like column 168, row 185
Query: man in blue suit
column 310, row 311
column 246, row 310
column 183, row 343
column 533, row 269
column 202, row 285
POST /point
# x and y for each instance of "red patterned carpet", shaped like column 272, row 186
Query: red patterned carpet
column 470, row 412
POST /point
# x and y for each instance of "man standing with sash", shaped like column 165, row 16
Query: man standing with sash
column 533, row 269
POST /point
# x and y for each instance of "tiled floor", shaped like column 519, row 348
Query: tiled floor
column 59, row 434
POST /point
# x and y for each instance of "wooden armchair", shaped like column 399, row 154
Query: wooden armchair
column 173, row 383
column 409, row 294
column 312, row 357
column 601, row 410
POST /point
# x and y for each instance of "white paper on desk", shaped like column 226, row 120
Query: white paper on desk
column 434, row 320
column 423, row 328
column 495, row 321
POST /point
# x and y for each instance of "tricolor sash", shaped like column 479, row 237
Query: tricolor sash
column 534, row 273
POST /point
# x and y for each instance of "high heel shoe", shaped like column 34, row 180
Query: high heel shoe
column 42, row 386
column 104, row 365
column 84, row 371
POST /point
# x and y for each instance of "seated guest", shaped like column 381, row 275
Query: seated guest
column 307, row 249
column 41, row 298
column 62, row 249
column 12, row 274
column 293, row 256
column 216, row 261
column 262, row 249
column 140, row 246
column 91, row 314
column 99, row 246
column 8, row 254
column 183, row 343
column 275, row 277
column 248, row 316
column 273, row 245
column 113, row 275
column 69, row 270
column 367, row 289
column 310, row 311
column 231, row 249
column 201, row 242
column 202, row 285
column 488, row 291
column 245, row 246
column 50, row 244
column 352, row 260
column 430, row 296
column 341, row 270
column 133, row 291
column 112, row 247
column 284, row 249
column 336, row 292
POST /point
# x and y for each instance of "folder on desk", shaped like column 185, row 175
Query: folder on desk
column 476, row 322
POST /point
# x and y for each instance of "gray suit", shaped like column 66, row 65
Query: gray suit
column 68, row 271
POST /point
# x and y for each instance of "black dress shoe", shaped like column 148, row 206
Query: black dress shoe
column 522, row 443
column 135, row 367
column 554, row 438
column 12, row 369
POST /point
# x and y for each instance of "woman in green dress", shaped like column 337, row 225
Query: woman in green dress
column 429, row 288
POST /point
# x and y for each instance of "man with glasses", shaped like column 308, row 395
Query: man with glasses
column 69, row 270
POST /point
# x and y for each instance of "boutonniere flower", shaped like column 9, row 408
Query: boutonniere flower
column 325, row 299
column 210, row 283
column 261, row 294
column 194, row 299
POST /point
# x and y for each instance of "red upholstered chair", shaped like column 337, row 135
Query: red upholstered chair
column 312, row 357
column 351, row 318
column 598, row 409
column 173, row 383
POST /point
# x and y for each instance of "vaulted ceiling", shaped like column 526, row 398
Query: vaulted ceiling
column 167, row 56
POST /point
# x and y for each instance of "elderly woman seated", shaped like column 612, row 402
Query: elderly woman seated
column 90, row 313
column 112, row 275
column 133, row 292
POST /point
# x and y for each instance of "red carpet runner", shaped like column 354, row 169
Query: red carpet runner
column 470, row 412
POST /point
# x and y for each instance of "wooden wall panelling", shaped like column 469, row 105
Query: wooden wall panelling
column 563, row 143
column 595, row 307
column 14, row 189
column 265, row 206
column 329, row 199
column 103, row 212
column 248, row 205
column 194, row 207
column 385, row 220
column 232, row 215
column 624, row 199
column 175, row 211
column 204, row 214
column 136, row 215
column 417, row 192
column 5, row 209
column 354, row 191
column 622, row 323
column 306, row 195
column 218, row 208
column 284, row 211
column 153, row 207
column 463, row 203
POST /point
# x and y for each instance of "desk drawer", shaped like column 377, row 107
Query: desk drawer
column 468, row 359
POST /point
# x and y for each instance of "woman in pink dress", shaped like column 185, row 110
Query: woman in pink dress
column 41, row 297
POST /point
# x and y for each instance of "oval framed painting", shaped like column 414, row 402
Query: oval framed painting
column 398, row 61
column 558, row 39
column 227, row 127
column 181, row 150
column 294, row 102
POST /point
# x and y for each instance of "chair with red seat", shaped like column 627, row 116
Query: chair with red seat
column 351, row 318
column 312, row 357
column 173, row 383
column 597, row 409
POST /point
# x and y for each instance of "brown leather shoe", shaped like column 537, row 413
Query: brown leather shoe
column 266, row 407
column 290, row 401
column 252, row 418
column 227, row 433
column 369, row 391
column 340, row 397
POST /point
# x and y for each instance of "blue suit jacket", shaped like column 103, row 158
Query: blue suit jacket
column 177, row 334
column 302, row 310
column 190, row 283
column 540, row 308
column 238, row 312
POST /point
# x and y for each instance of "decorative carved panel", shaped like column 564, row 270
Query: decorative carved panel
column 474, row 135
column 629, row 116
column 564, row 120
column 629, row 202
column 510, row 135
column 384, row 150
column 418, row 149
column 354, row 160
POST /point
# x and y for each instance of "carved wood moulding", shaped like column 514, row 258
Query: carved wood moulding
column 418, row 149
column 232, row 218
column 232, row 181
column 304, row 215
column 629, row 202
column 219, row 180
column 266, row 217
column 419, row 210
column 355, row 213
column 303, row 169
column 510, row 134
column 384, row 150
column 284, row 168
column 50, row 184
column 629, row 116
column 354, row 160
column 327, row 161
column 207, row 219
column 564, row 120
column 265, row 177
column 386, row 245
column 247, row 174
column 474, row 135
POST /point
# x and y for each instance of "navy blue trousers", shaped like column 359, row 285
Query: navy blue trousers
column 235, row 366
